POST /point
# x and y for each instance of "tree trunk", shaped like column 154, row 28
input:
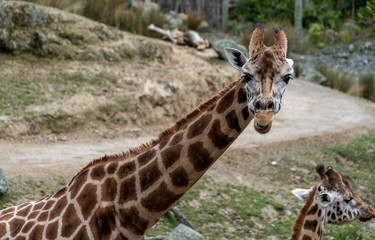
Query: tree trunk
column 298, row 25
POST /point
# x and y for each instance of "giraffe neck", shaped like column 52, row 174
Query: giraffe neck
column 310, row 221
column 164, row 173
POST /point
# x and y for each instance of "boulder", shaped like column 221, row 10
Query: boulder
column 3, row 183
column 219, row 46
column 182, row 232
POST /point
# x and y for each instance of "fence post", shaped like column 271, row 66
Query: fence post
column 224, row 15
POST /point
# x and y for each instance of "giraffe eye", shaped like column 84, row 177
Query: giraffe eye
column 287, row 78
column 348, row 199
column 248, row 77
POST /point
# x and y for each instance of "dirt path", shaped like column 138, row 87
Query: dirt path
column 308, row 111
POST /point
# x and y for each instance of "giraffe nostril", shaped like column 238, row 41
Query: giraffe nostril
column 270, row 106
column 257, row 106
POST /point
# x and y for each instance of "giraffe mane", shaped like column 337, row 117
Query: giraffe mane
column 164, row 134
column 298, row 225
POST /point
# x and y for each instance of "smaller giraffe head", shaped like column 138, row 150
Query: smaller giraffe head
column 267, row 72
column 336, row 198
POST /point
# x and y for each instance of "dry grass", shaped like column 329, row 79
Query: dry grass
column 112, row 12
column 336, row 79
column 194, row 19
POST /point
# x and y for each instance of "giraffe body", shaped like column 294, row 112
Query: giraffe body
column 332, row 201
column 122, row 196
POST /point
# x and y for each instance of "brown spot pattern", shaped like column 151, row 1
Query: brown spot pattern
column 160, row 199
column 15, row 226
column 179, row 177
column 77, row 184
column 70, row 220
column 112, row 167
column 149, row 175
column 242, row 96
column 245, row 113
column 146, row 157
column 24, row 212
column 82, row 234
column 130, row 220
column 61, row 203
column 49, row 204
column 128, row 191
column 51, row 231
column 232, row 121
column 218, row 138
column 109, row 189
column 3, row 229
column 171, row 155
column 163, row 143
column 43, row 216
column 305, row 237
column 313, row 210
column 38, row 206
column 126, row 169
column 310, row 225
column 176, row 139
column 98, row 172
column 33, row 215
column 37, row 232
column 60, row 193
column 103, row 222
column 225, row 102
column 199, row 126
column 87, row 199
column 28, row 226
column 199, row 156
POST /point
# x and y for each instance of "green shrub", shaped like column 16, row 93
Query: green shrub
column 367, row 82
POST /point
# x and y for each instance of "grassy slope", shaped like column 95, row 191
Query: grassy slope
column 237, row 212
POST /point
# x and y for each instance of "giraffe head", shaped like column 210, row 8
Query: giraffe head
column 267, row 72
column 335, row 197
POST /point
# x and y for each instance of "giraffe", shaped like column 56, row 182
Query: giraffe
column 122, row 196
column 332, row 201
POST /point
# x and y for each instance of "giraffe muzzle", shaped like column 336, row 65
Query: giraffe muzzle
column 263, row 121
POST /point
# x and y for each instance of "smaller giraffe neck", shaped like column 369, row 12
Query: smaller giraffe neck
column 310, row 221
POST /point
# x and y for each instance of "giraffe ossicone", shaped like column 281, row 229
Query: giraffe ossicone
column 332, row 201
column 122, row 196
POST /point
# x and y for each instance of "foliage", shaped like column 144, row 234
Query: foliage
column 367, row 82
column 323, row 13
column 366, row 14
column 261, row 11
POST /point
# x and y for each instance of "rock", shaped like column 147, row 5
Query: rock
column 219, row 46
column 314, row 76
column 3, row 183
column 351, row 48
column 204, row 27
column 182, row 232
column 173, row 21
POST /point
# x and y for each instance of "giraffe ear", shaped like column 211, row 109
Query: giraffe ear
column 235, row 57
column 301, row 194
column 290, row 61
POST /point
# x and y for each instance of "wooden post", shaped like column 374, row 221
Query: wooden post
column 224, row 14
column 298, row 25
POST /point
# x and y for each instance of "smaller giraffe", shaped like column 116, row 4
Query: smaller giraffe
column 331, row 201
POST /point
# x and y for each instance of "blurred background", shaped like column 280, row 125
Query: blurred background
column 80, row 79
